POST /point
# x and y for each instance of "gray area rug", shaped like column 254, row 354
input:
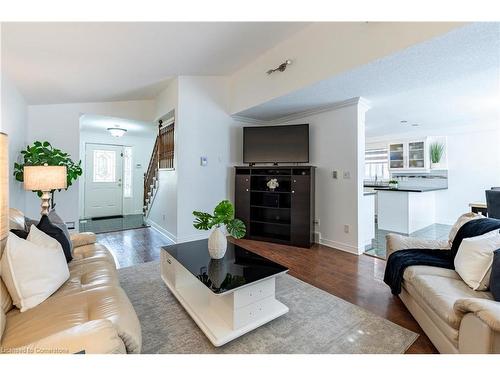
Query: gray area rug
column 318, row 322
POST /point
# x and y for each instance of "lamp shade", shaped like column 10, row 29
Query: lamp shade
column 4, row 189
column 45, row 177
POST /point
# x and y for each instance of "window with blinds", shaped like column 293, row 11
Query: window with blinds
column 376, row 164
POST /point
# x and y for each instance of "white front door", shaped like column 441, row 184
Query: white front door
column 103, row 180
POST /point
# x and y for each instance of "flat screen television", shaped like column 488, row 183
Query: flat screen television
column 276, row 144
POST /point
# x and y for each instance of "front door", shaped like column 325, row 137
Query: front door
column 103, row 180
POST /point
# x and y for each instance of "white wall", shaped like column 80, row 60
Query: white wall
column 473, row 167
column 203, row 128
column 163, row 213
column 60, row 125
column 337, row 143
column 14, row 123
column 323, row 50
column 142, row 147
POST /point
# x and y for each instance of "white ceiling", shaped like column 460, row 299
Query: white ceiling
column 452, row 80
column 99, row 124
column 92, row 62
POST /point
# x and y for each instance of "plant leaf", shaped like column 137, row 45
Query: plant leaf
column 236, row 228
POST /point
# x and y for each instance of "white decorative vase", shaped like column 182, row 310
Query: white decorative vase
column 217, row 244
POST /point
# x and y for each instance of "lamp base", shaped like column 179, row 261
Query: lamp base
column 45, row 203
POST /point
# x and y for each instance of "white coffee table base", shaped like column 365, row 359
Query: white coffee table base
column 222, row 317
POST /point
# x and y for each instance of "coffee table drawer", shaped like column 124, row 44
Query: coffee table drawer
column 254, row 293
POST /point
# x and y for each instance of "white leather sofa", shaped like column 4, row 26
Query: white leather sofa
column 89, row 313
column 456, row 318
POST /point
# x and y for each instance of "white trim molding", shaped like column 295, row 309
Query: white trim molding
column 365, row 104
column 161, row 230
column 341, row 246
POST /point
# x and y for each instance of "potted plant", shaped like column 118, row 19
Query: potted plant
column 223, row 215
column 393, row 184
column 43, row 153
column 436, row 152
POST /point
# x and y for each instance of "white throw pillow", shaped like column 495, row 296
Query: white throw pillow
column 32, row 272
column 474, row 258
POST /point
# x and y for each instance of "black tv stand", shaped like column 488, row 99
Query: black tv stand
column 283, row 215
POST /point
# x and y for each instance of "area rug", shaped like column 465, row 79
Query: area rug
column 318, row 322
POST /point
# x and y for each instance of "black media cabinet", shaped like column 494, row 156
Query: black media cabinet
column 284, row 215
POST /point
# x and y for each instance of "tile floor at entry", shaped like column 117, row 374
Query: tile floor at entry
column 432, row 232
column 113, row 224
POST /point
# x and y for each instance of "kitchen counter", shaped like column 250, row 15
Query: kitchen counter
column 411, row 189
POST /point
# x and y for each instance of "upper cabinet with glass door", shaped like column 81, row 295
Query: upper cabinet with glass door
column 410, row 155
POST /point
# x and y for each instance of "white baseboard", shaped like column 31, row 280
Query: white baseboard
column 194, row 237
column 162, row 230
column 340, row 246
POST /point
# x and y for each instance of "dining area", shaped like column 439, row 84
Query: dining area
column 491, row 206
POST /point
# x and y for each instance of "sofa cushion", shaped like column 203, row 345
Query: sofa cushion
column 92, row 252
column 32, row 272
column 57, row 233
column 61, row 313
column 465, row 218
column 88, row 275
column 5, row 298
column 2, row 323
column 441, row 292
column 16, row 219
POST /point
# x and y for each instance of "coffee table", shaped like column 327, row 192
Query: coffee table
column 227, row 297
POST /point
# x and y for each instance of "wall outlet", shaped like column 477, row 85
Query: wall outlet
column 164, row 217
column 346, row 228
column 316, row 222
column 335, row 175
column 203, row 161
column 347, row 175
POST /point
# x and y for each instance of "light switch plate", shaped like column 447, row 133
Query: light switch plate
column 347, row 175
column 334, row 175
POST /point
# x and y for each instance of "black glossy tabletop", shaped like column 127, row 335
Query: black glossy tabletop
column 237, row 268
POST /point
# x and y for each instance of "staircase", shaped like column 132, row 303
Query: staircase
column 151, row 179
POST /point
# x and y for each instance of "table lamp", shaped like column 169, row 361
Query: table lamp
column 45, row 178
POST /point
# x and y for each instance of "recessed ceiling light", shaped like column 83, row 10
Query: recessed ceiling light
column 404, row 121
column 415, row 125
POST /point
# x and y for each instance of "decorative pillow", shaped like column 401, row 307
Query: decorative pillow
column 461, row 221
column 57, row 233
column 28, row 222
column 474, row 258
column 57, row 221
column 20, row 233
column 495, row 276
column 32, row 272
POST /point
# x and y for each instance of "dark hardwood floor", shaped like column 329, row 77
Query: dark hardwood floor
column 357, row 279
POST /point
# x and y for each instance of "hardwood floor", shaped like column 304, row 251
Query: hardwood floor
column 357, row 279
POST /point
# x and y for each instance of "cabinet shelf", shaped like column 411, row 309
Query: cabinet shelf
column 280, row 215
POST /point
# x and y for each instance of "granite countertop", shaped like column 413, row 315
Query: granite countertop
column 411, row 189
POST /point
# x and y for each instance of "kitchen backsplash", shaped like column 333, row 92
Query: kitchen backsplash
column 434, row 179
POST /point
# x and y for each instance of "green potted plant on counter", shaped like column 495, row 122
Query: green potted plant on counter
column 436, row 150
column 223, row 215
column 393, row 184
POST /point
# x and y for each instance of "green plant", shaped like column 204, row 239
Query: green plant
column 436, row 151
column 41, row 153
column 393, row 181
column 223, row 215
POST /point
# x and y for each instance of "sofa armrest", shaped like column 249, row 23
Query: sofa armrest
column 486, row 310
column 395, row 242
column 93, row 337
column 82, row 239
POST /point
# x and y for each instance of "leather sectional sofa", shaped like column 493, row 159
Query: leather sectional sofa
column 90, row 313
column 456, row 318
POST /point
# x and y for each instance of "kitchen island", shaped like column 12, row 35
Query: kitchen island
column 406, row 210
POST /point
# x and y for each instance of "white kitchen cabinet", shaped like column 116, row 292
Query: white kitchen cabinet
column 409, row 155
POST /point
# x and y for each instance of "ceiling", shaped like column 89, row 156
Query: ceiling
column 452, row 80
column 99, row 124
column 92, row 62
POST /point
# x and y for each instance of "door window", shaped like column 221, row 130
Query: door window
column 104, row 166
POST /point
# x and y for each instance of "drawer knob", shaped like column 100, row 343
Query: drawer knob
column 246, row 189
column 293, row 191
